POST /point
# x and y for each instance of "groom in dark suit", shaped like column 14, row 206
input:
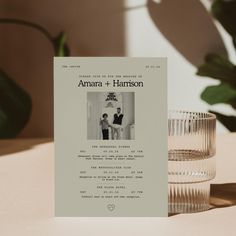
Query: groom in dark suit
column 117, row 124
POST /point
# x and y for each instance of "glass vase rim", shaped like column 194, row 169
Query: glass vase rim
column 209, row 115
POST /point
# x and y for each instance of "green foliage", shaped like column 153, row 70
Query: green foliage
column 15, row 107
column 228, row 121
column 60, row 47
column 225, row 12
column 219, row 67
column 225, row 94
column 15, row 103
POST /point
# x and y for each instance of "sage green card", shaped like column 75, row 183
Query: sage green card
column 110, row 136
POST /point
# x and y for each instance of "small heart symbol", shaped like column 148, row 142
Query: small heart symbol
column 111, row 207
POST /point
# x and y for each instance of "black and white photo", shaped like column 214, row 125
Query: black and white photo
column 110, row 115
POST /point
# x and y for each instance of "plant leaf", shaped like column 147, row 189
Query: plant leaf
column 222, row 93
column 15, row 107
column 60, row 47
column 218, row 67
column 228, row 121
column 225, row 12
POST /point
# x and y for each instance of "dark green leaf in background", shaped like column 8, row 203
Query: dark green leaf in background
column 15, row 107
column 60, row 47
column 218, row 67
column 224, row 11
column 222, row 93
column 15, row 103
column 228, row 121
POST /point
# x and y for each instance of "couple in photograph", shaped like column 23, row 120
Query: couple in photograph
column 115, row 126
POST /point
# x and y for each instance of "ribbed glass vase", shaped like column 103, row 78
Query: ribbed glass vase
column 191, row 161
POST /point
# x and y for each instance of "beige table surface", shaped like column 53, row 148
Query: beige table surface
column 26, row 198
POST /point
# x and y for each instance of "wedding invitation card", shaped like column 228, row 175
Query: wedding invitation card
column 110, row 136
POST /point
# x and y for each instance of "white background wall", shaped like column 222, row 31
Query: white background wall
column 143, row 38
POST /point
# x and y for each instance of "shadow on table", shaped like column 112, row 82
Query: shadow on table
column 19, row 145
column 223, row 195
